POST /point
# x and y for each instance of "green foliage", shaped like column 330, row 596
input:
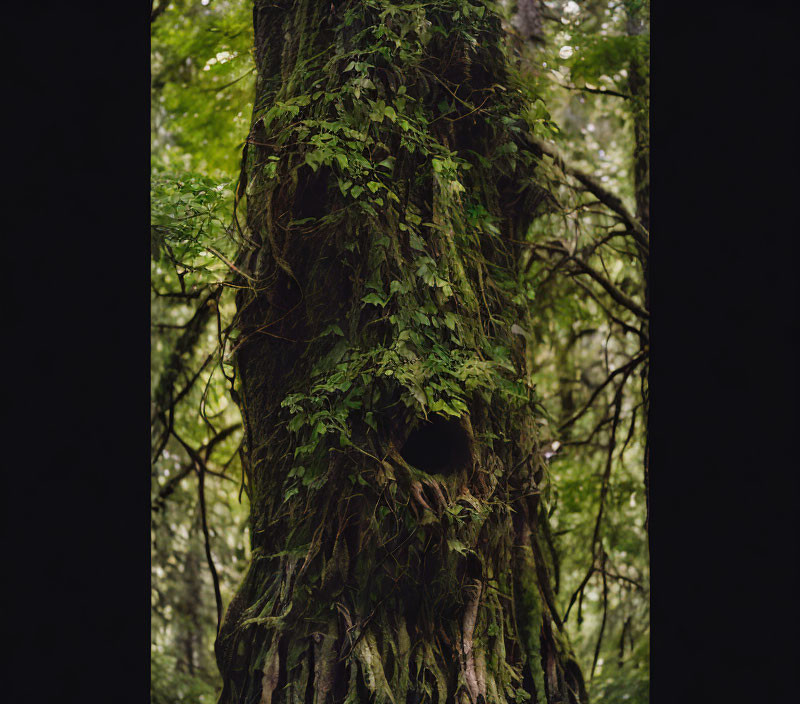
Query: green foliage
column 599, row 56
column 202, row 81
column 588, row 89
column 168, row 684
column 187, row 214
column 196, row 133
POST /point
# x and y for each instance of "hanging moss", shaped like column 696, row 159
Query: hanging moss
column 529, row 615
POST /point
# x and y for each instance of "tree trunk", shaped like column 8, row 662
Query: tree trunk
column 390, row 449
column 639, row 87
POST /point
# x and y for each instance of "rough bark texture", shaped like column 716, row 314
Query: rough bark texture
column 390, row 449
column 639, row 87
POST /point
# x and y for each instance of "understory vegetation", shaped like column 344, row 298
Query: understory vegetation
column 399, row 351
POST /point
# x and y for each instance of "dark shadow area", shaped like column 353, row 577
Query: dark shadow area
column 311, row 199
column 438, row 446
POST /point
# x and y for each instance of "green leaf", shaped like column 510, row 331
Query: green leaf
column 457, row 546
column 416, row 241
column 312, row 159
column 290, row 493
column 374, row 299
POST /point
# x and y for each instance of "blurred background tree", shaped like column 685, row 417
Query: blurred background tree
column 586, row 281
column 202, row 85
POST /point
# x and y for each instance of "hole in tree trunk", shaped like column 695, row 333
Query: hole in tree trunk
column 438, row 446
column 311, row 197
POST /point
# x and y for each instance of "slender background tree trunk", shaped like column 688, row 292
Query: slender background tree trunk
column 639, row 87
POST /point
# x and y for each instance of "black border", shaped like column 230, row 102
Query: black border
column 76, row 497
column 723, row 377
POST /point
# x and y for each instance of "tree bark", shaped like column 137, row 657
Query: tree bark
column 639, row 87
column 391, row 448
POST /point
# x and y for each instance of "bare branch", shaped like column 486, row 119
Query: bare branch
column 625, row 368
column 609, row 199
column 605, row 615
column 200, row 467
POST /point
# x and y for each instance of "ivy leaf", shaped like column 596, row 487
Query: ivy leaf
column 290, row 493
column 319, row 429
column 418, row 394
column 457, row 546
column 312, row 159
column 374, row 299
column 333, row 328
column 416, row 241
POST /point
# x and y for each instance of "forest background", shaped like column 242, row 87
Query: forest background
column 584, row 67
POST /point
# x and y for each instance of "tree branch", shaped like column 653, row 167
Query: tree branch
column 155, row 13
column 173, row 482
column 200, row 466
column 609, row 199
column 605, row 615
column 618, row 296
column 612, row 290
column 625, row 368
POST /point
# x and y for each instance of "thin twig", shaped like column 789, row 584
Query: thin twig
column 605, row 615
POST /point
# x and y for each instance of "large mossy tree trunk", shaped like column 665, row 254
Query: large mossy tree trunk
column 384, row 369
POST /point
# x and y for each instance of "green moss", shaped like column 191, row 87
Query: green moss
column 529, row 615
